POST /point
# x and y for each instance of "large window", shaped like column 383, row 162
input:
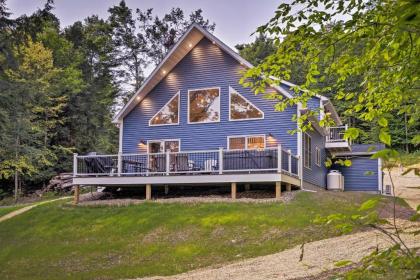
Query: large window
column 241, row 108
column 169, row 114
column 307, row 150
column 250, row 142
column 204, row 105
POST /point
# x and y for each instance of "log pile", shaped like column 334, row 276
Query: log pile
column 61, row 182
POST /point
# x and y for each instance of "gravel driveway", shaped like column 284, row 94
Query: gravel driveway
column 319, row 256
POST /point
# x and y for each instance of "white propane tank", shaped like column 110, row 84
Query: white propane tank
column 335, row 180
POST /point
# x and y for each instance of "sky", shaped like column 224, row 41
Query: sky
column 235, row 19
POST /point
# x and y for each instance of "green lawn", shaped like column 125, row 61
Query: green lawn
column 8, row 209
column 61, row 241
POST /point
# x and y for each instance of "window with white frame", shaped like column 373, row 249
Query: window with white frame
column 248, row 142
column 204, row 105
column 169, row 114
column 307, row 151
column 161, row 146
column 318, row 156
column 241, row 108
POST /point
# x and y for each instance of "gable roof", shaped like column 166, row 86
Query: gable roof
column 188, row 40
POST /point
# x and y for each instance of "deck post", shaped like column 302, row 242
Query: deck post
column 167, row 162
column 148, row 192
column 279, row 158
column 288, row 187
column 221, row 160
column 290, row 161
column 119, row 163
column 76, row 194
column 233, row 190
column 166, row 189
column 74, row 165
column 278, row 190
column 247, row 187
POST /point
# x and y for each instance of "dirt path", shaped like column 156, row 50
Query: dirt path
column 319, row 256
column 27, row 208
column 406, row 186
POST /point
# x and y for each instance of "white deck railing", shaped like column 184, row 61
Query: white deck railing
column 215, row 162
column 336, row 134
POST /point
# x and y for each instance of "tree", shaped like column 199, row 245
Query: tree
column 144, row 40
column 89, row 126
column 130, row 45
column 162, row 33
column 378, row 43
column 34, row 115
column 258, row 50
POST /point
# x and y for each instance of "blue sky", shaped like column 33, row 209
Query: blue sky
column 235, row 19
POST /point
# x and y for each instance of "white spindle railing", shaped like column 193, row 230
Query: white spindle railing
column 336, row 134
column 219, row 161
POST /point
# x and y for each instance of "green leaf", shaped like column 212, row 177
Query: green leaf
column 369, row 204
column 383, row 122
column 347, row 163
column 369, row 173
column 343, row 263
column 351, row 133
column 385, row 137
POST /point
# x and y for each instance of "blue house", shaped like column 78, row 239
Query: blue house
column 193, row 123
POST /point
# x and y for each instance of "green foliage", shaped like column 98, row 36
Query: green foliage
column 389, row 264
column 257, row 51
column 59, row 88
column 367, row 62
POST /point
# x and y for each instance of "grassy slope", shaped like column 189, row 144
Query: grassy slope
column 58, row 241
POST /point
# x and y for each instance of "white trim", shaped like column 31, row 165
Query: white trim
column 380, row 177
column 232, row 90
column 120, row 137
column 303, row 158
column 246, row 140
column 299, row 144
column 163, row 141
column 317, row 156
column 177, row 179
column 188, row 105
column 166, row 104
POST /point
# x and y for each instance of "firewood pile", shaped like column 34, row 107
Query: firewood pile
column 61, row 182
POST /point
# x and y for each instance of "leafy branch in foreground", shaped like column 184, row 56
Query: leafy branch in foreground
column 399, row 259
column 376, row 43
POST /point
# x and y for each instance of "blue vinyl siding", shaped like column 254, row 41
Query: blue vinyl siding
column 313, row 105
column 355, row 177
column 205, row 66
column 316, row 175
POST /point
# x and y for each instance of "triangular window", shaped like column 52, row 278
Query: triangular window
column 241, row 108
column 169, row 114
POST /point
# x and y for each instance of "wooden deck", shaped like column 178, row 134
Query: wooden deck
column 216, row 167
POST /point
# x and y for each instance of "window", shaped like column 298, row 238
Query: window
column 241, row 108
column 169, row 114
column 307, row 151
column 317, row 156
column 204, row 105
column 250, row 142
column 160, row 146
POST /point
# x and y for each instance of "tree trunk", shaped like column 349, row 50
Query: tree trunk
column 16, row 185
column 406, row 132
